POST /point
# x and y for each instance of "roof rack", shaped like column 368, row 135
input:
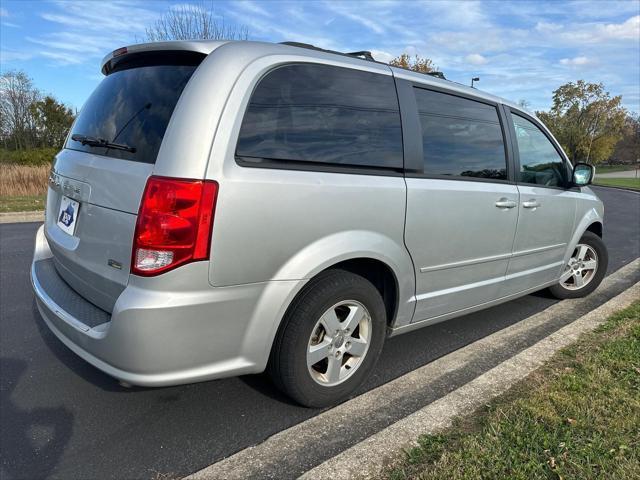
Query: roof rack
column 363, row 54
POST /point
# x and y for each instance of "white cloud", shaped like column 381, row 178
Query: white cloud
column 356, row 16
column 4, row 12
column 576, row 62
column 628, row 30
column 476, row 59
column 382, row 56
column 62, row 58
column 12, row 55
column 87, row 30
column 252, row 7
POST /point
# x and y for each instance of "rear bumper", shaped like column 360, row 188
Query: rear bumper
column 166, row 330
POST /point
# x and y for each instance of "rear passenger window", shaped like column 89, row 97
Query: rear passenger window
column 460, row 137
column 323, row 114
column 540, row 162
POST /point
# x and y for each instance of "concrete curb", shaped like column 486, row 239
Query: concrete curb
column 368, row 458
column 22, row 217
column 292, row 445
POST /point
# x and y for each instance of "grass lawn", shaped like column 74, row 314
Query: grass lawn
column 633, row 183
column 22, row 203
column 614, row 168
column 577, row 417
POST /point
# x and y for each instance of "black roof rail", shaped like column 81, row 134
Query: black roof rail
column 363, row 54
column 366, row 54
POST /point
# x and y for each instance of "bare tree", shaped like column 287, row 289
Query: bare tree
column 193, row 22
column 17, row 95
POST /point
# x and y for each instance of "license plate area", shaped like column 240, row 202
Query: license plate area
column 68, row 215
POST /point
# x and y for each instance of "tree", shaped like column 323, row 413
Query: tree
column 417, row 64
column 194, row 22
column 27, row 119
column 52, row 120
column 586, row 120
column 17, row 94
column 628, row 148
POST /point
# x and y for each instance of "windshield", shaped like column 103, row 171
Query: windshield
column 130, row 108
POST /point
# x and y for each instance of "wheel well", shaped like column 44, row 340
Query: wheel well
column 596, row 228
column 380, row 275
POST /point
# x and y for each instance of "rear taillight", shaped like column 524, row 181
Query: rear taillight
column 174, row 224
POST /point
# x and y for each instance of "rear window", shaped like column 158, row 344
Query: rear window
column 323, row 114
column 132, row 107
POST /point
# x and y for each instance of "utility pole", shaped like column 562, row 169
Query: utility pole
column 474, row 79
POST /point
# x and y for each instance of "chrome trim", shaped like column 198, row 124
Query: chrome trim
column 464, row 263
column 446, row 316
column 538, row 250
column 492, row 258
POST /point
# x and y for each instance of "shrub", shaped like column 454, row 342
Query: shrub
column 33, row 157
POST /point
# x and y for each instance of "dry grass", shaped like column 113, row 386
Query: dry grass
column 23, row 180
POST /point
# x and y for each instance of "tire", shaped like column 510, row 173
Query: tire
column 305, row 328
column 570, row 288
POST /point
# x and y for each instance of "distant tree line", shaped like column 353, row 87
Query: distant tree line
column 28, row 118
column 589, row 123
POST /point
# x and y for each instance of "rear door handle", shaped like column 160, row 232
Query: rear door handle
column 533, row 203
column 506, row 203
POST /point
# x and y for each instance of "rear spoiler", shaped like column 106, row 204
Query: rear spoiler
column 189, row 51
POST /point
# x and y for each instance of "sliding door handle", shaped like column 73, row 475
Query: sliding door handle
column 506, row 203
column 533, row 203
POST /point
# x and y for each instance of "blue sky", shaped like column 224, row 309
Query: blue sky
column 520, row 49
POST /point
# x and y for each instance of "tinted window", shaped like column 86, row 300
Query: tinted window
column 540, row 162
column 132, row 107
column 460, row 137
column 320, row 113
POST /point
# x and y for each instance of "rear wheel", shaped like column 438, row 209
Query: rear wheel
column 330, row 339
column 585, row 270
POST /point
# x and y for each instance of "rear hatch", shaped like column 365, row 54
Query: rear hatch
column 98, row 179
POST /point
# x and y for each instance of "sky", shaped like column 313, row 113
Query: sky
column 521, row 50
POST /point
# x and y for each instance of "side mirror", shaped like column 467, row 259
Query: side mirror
column 583, row 174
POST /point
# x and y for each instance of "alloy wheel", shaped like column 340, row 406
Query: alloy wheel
column 339, row 342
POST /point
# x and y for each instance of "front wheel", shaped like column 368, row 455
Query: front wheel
column 330, row 339
column 585, row 270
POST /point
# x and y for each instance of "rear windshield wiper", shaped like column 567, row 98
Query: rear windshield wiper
column 101, row 142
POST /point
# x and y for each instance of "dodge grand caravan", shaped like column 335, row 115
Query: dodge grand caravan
column 226, row 208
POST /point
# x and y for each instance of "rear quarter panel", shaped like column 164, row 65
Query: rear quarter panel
column 274, row 224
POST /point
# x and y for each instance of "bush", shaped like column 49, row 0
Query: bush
column 33, row 157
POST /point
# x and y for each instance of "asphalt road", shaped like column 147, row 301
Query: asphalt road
column 62, row 418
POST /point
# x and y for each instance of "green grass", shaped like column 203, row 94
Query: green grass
column 613, row 168
column 577, row 417
column 22, row 203
column 633, row 183
column 32, row 157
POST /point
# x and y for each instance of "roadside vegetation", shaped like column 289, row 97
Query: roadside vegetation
column 614, row 168
column 577, row 417
column 23, row 180
column 632, row 183
column 22, row 203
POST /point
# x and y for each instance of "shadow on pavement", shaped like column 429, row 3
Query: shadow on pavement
column 33, row 439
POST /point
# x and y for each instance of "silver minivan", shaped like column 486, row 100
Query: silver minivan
column 226, row 208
